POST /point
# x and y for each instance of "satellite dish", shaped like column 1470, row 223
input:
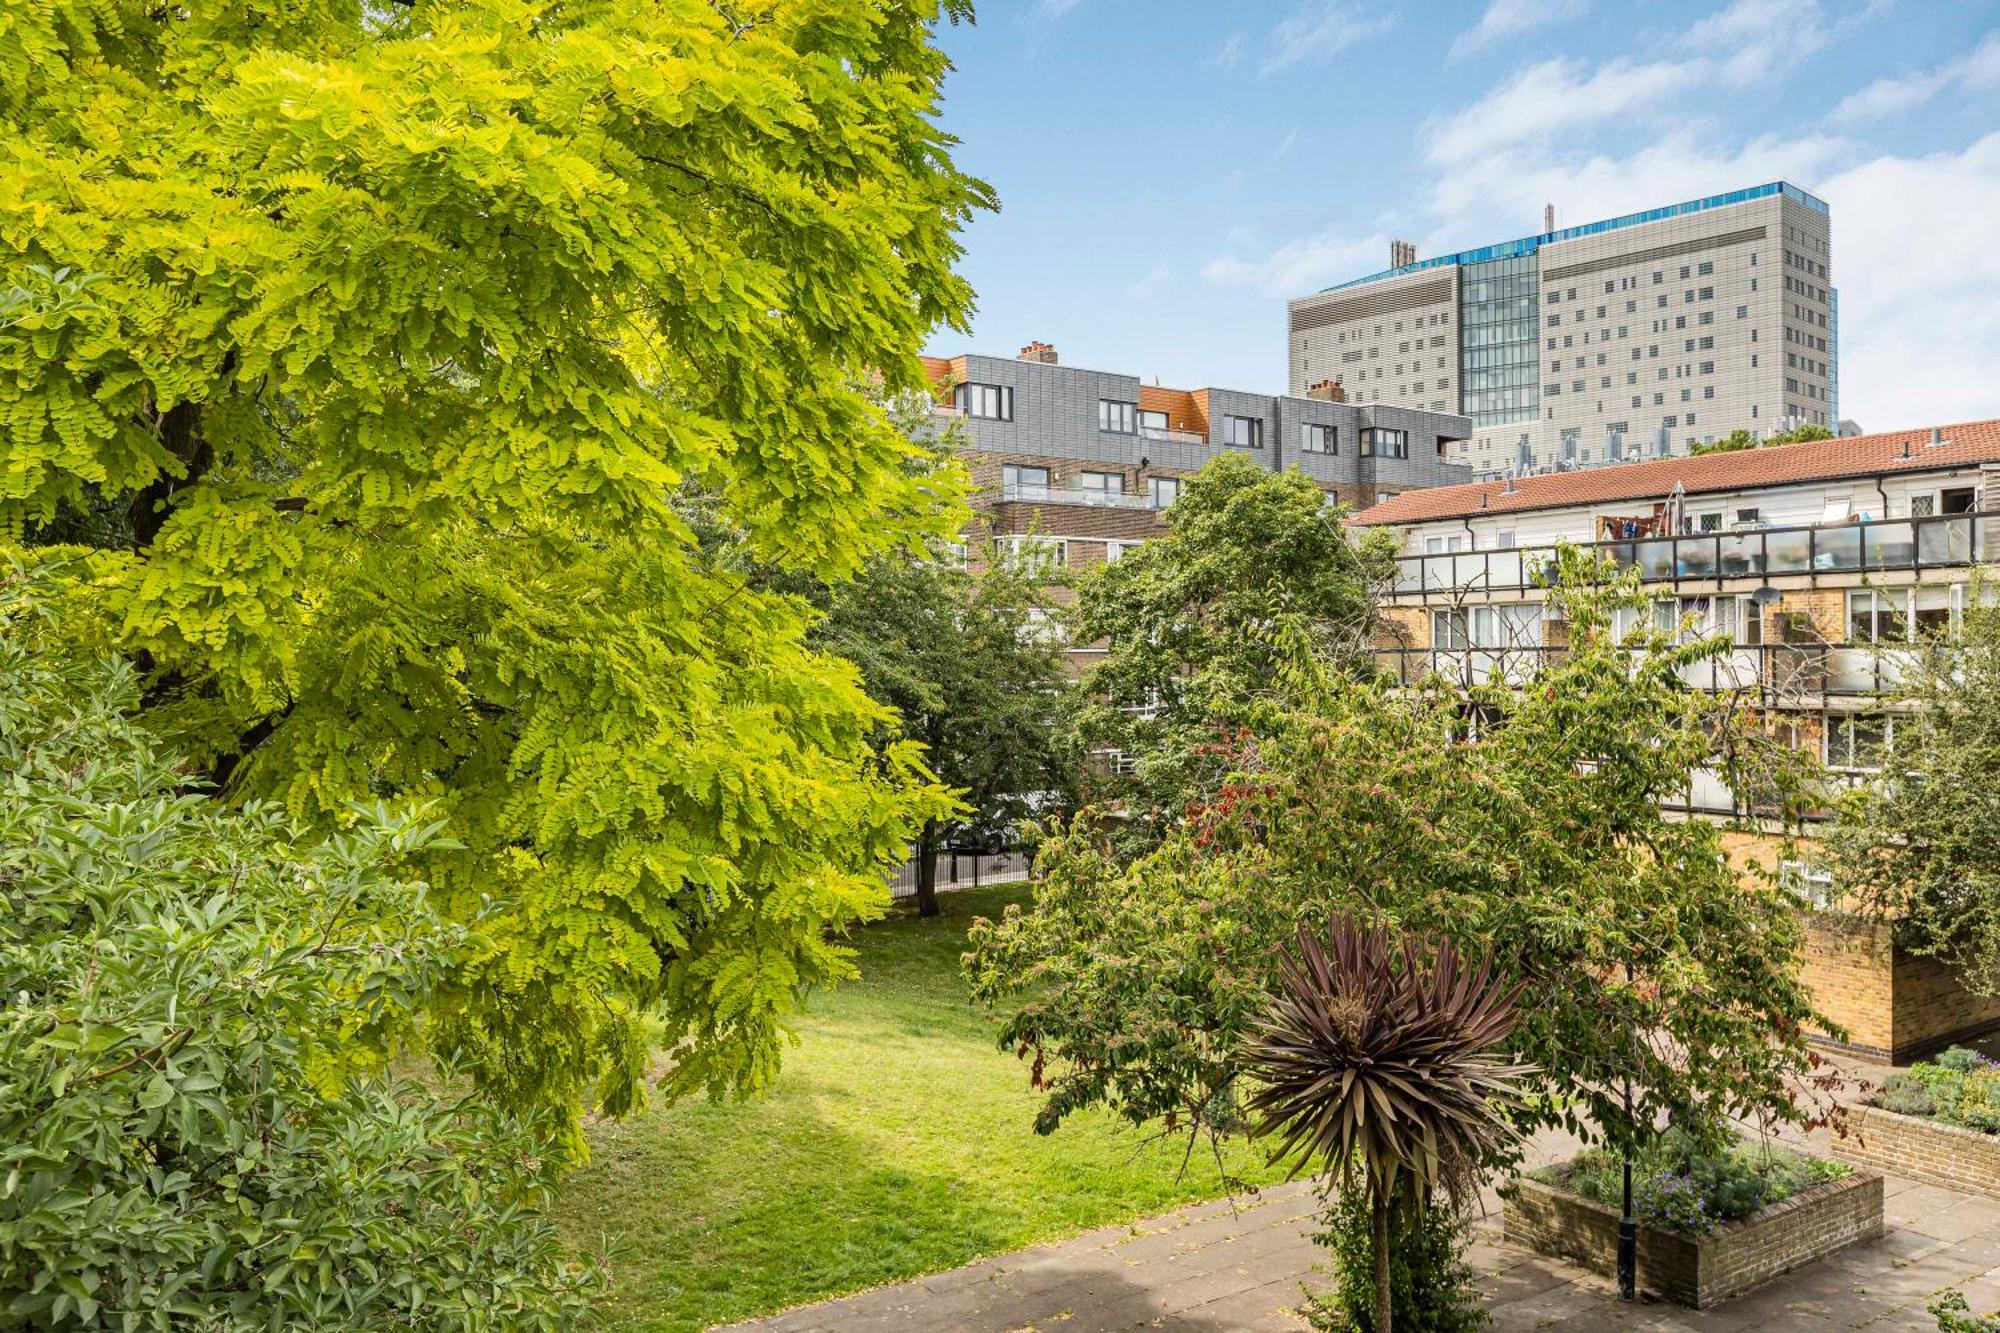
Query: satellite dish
column 1765, row 596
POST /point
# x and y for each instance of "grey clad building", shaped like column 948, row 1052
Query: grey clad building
column 1636, row 337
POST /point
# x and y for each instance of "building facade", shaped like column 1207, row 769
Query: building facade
column 1821, row 564
column 1632, row 338
column 1078, row 466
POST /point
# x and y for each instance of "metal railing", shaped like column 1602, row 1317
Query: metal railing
column 1779, row 670
column 1074, row 495
column 1935, row 542
column 1173, row 436
column 964, row 870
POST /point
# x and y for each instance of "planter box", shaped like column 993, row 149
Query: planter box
column 1699, row 1271
column 1927, row 1150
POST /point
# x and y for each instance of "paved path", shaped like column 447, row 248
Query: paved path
column 1240, row 1268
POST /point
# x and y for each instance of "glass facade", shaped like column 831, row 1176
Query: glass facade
column 1498, row 305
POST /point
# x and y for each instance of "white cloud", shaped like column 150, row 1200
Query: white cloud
column 1505, row 18
column 1760, row 39
column 1303, row 265
column 1977, row 69
column 1052, row 9
column 1556, row 95
column 1156, row 279
column 1318, row 29
column 1285, row 144
column 1230, row 54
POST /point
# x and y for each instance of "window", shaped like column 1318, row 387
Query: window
column 1448, row 628
column 1116, row 551
column 1875, row 616
column 1514, row 625
column 1163, row 490
column 1858, row 742
column 1151, row 422
column 1317, row 438
column 1016, row 479
column 1505, row 541
column 1709, row 522
column 993, row 401
column 1809, row 881
column 1032, row 554
column 1438, row 545
column 1243, row 432
column 1122, row 418
column 1101, row 483
column 1381, row 442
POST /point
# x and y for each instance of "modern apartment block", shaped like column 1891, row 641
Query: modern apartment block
column 1632, row 338
column 1821, row 564
column 1081, row 465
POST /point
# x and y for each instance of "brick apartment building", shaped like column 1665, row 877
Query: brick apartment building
column 1821, row 563
column 1078, row 466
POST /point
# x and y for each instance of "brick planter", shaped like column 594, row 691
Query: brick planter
column 1699, row 1271
column 1928, row 1150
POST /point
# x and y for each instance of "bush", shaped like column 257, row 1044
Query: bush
column 1680, row 1184
column 1953, row 1315
column 1431, row 1287
column 196, row 1129
column 1959, row 1087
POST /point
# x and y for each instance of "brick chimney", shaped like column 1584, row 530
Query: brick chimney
column 1039, row 351
column 1327, row 391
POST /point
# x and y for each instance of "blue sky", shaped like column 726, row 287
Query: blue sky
column 1170, row 172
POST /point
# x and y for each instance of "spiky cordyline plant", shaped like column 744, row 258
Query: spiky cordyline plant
column 1371, row 1059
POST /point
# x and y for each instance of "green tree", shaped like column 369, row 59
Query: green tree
column 1186, row 619
column 1743, row 439
column 974, row 672
column 408, row 342
column 196, row 1125
column 1525, row 821
column 1921, row 848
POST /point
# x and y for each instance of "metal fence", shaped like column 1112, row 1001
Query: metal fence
column 964, row 870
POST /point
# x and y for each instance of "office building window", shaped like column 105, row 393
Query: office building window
column 992, row 401
column 1243, row 432
column 1122, row 418
column 1163, row 490
column 1317, row 438
column 1380, row 442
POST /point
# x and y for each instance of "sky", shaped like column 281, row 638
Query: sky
column 1170, row 172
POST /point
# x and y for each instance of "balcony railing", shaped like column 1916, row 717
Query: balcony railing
column 1173, row 436
column 1074, row 495
column 1942, row 541
column 1779, row 671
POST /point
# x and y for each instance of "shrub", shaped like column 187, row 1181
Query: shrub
column 1953, row 1315
column 196, row 1129
column 1680, row 1184
column 1431, row 1287
column 1960, row 1060
column 1959, row 1087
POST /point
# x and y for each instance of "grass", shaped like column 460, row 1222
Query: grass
column 898, row 1141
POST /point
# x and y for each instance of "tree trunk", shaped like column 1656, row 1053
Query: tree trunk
column 1379, row 1206
column 927, row 903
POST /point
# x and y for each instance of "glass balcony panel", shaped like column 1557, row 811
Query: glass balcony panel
column 1742, row 554
column 1887, row 545
column 1409, row 575
column 1945, row 541
column 1656, row 559
column 1505, row 569
column 1694, row 557
column 1852, row 671
column 1837, row 548
column 1788, row 552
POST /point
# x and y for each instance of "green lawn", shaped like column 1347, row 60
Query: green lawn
column 898, row 1141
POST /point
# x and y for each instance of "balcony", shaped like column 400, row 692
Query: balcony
column 1172, row 436
column 1072, row 495
column 1943, row 541
column 1782, row 672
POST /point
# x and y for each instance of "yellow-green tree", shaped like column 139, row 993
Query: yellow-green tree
column 373, row 374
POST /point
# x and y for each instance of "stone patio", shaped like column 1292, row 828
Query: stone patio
column 1240, row 1267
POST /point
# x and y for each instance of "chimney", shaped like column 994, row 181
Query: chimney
column 1548, row 217
column 1937, row 438
column 1042, row 352
column 1402, row 253
column 1327, row 391
column 1510, row 485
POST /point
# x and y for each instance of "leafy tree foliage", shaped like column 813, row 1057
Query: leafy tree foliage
column 973, row 673
column 1190, row 659
column 375, row 353
column 196, row 1129
column 1921, row 848
column 1527, row 822
column 1743, row 439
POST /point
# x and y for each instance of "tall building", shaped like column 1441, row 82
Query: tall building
column 1636, row 337
column 1082, row 465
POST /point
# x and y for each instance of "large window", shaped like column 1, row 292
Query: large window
column 1113, row 415
column 1875, row 617
column 1151, row 422
column 1858, row 741
column 1243, row 432
column 1015, row 479
column 1163, row 490
column 1449, row 630
column 994, row 401
column 1509, row 625
column 1317, row 438
column 1381, row 442
column 1033, row 554
column 1101, row 483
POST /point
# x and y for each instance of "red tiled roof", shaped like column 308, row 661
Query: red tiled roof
column 1745, row 469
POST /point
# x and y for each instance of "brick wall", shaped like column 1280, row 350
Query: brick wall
column 1902, row 1145
column 1699, row 1272
column 1933, row 1009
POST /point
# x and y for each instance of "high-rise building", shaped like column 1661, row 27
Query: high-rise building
column 1636, row 337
